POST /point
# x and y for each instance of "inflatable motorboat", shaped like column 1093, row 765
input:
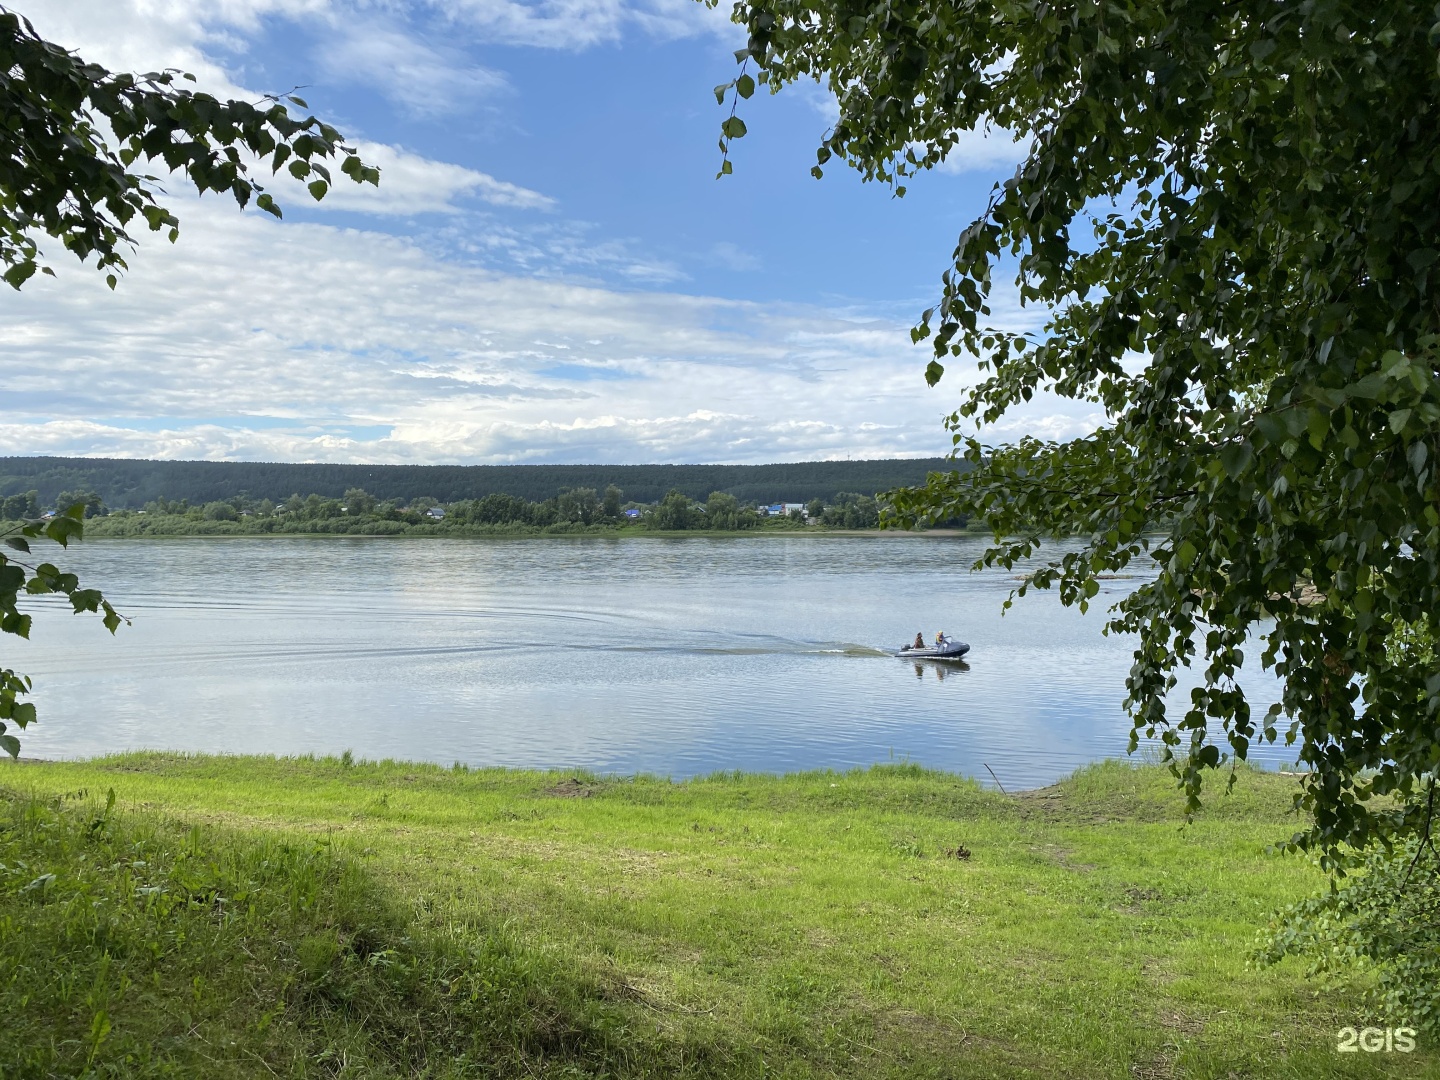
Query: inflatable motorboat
column 947, row 649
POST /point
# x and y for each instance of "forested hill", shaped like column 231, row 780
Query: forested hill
column 130, row 483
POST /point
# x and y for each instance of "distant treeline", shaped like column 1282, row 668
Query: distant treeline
column 130, row 484
column 575, row 510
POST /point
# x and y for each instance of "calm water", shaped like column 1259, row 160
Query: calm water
column 668, row 656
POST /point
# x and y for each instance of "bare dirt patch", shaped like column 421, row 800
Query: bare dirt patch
column 571, row 788
column 1156, row 1068
column 1136, row 899
column 1062, row 857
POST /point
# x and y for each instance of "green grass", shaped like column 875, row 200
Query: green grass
column 301, row 917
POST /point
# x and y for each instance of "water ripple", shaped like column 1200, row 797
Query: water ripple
column 669, row 656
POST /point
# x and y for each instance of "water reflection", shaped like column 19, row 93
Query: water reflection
column 941, row 668
column 669, row 656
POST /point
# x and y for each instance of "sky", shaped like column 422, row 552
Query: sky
column 549, row 271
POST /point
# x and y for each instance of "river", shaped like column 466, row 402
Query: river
column 669, row 656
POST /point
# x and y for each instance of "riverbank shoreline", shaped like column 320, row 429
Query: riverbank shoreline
column 890, row 921
column 424, row 532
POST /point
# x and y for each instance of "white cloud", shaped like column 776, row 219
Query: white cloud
column 256, row 339
column 581, row 24
column 260, row 340
column 985, row 148
column 150, row 35
column 733, row 257
column 402, row 42
column 411, row 184
column 422, row 79
column 1034, row 420
column 550, row 248
column 140, row 35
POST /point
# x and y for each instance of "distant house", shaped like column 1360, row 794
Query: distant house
column 633, row 513
column 790, row 508
column 774, row 510
column 436, row 512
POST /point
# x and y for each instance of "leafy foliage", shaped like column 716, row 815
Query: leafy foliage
column 1385, row 918
column 851, row 510
column 19, row 577
column 61, row 175
column 1231, row 212
column 724, row 511
column 572, row 510
column 20, row 507
column 674, row 512
column 130, row 484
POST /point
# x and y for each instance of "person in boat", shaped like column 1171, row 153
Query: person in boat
column 919, row 641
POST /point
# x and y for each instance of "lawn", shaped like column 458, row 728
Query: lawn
column 301, row 917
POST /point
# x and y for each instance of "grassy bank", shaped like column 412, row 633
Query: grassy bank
column 259, row 917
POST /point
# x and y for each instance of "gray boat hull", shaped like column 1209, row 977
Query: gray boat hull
column 951, row 650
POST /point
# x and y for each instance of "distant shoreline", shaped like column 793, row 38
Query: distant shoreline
column 814, row 531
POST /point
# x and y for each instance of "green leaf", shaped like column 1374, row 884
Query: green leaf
column 1272, row 428
column 1236, row 458
column 20, row 273
column 933, row 372
column 1417, row 455
column 18, row 543
column 11, row 745
column 1398, row 419
column 733, row 128
column 61, row 528
column 1370, row 387
column 317, row 189
column 1420, row 258
column 745, row 86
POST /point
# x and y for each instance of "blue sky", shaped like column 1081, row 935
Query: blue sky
column 622, row 136
column 549, row 272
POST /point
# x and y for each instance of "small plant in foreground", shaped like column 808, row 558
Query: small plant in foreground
column 1386, row 918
